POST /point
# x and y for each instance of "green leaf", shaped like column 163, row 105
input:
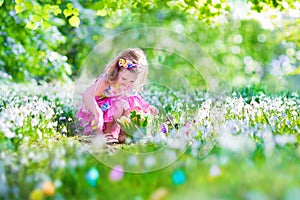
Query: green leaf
column 38, row 9
column 67, row 12
column 75, row 12
column 295, row 72
column 31, row 25
column 145, row 122
column 132, row 114
column 101, row 13
column 45, row 25
column 28, row 6
column 57, row 11
column 69, row 6
column 218, row 6
column 68, row 69
column 138, row 120
column 36, row 18
column 74, row 21
column 1, row 2
column 47, row 8
column 19, row 9
column 45, row 16
column 19, row 1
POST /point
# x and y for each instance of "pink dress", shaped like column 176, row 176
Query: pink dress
column 107, row 101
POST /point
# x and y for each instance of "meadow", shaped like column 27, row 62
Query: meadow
column 254, row 156
column 224, row 75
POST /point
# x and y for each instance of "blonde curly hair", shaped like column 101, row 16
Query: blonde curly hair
column 136, row 56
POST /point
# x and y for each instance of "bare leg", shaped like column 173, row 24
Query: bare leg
column 111, row 126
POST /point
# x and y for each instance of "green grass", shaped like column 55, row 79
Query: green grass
column 256, row 158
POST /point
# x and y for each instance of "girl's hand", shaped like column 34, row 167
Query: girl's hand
column 126, row 113
column 153, row 110
column 97, row 123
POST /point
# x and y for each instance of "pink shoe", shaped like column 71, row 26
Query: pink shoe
column 110, row 139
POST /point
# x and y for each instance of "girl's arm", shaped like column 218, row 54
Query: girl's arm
column 88, row 97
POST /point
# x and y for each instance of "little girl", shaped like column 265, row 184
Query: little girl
column 113, row 95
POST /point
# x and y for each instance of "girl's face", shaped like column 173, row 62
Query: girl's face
column 127, row 78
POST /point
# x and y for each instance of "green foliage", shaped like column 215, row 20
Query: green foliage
column 252, row 157
column 30, row 41
column 66, row 31
column 32, row 116
column 40, row 20
column 139, row 119
column 297, row 71
column 267, row 4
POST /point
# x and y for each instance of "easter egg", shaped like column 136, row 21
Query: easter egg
column 48, row 188
column 159, row 194
column 178, row 177
column 36, row 194
column 116, row 173
column 92, row 176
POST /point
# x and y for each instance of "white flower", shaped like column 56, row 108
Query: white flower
column 237, row 143
column 149, row 161
column 269, row 143
column 195, row 148
column 284, row 139
column 98, row 141
column 58, row 163
column 8, row 133
column 214, row 171
column 170, row 155
column 133, row 160
column 158, row 138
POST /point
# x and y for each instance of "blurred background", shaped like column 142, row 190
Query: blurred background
column 250, row 46
column 250, row 42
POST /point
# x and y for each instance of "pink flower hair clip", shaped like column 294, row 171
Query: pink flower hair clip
column 127, row 64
